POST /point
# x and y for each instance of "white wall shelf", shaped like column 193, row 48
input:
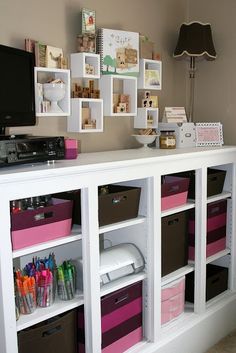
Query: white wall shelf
column 86, row 115
column 111, row 85
column 42, row 75
column 86, row 65
column 150, row 74
column 146, row 118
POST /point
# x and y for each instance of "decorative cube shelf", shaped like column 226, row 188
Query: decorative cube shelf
column 86, row 65
column 150, row 74
column 112, row 87
column 84, row 112
column 42, row 75
column 146, row 118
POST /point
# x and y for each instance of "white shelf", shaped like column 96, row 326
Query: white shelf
column 41, row 314
column 189, row 205
column 114, row 84
column 79, row 61
column 142, row 120
column 75, row 122
column 147, row 65
column 176, row 274
column 123, row 224
column 222, row 196
column 75, row 236
column 217, row 255
column 42, row 75
column 122, row 282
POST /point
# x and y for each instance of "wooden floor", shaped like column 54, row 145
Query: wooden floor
column 226, row 345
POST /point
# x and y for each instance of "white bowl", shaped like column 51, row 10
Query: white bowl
column 54, row 92
column 145, row 139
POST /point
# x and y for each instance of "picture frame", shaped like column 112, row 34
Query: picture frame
column 209, row 134
column 53, row 57
column 88, row 21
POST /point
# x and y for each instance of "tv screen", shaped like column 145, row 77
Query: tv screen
column 17, row 104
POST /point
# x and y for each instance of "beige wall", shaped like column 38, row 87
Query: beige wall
column 215, row 90
column 57, row 22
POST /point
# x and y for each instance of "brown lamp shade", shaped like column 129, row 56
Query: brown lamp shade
column 195, row 39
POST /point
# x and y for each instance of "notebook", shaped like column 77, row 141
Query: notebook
column 119, row 51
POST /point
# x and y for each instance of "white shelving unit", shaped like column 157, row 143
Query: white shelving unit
column 76, row 121
column 86, row 113
column 150, row 74
column 143, row 169
column 146, row 118
column 86, row 65
column 115, row 84
column 42, row 75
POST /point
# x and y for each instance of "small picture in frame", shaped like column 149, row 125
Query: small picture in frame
column 209, row 134
column 88, row 21
column 53, row 57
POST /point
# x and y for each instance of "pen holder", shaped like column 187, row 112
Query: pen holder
column 65, row 283
column 45, row 291
column 27, row 300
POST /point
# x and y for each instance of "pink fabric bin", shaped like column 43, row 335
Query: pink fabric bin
column 172, row 300
column 216, row 229
column 174, row 192
column 32, row 227
column 121, row 320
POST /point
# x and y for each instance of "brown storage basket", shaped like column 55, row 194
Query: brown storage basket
column 216, row 282
column 55, row 335
column 119, row 203
column 174, row 242
column 215, row 181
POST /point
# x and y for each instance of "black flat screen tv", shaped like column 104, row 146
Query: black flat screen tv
column 17, row 100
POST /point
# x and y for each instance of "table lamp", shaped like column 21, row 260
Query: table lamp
column 194, row 42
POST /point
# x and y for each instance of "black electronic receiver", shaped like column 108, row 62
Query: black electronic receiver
column 30, row 149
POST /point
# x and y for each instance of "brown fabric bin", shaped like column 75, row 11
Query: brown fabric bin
column 216, row 282
column 174, row 242
column 119, row 203
column 58, row 334
column 215, row 181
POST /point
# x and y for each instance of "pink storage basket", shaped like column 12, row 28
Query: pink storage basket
column 216, row 229
column 32, row 227
column 174, row 192
column 172, row 300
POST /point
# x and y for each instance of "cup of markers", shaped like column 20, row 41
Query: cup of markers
column 45, row 295
column 26, row 293
column 66, row 281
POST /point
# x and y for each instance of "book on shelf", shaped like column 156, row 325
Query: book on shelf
column 38, row 49
column 119, row 51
